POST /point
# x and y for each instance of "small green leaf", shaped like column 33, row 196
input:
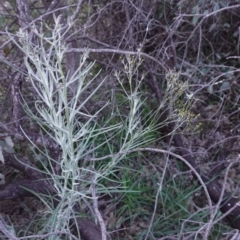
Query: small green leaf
column 226, row 25
column 2, row 179
column 213, row 27
column 9, row 141
column 4, row 146
column 205, row 70
column 218, row 56
column 225, row 86
column 216, row 7
column 1, row 156
column 9, row 149
column 1, row 20
column 194, row 20
column 223, row 3
column 236, row 33
column 229, row 75
column 206, row 12
column 210, row 89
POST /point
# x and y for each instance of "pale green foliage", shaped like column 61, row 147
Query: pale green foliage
column 60, row 115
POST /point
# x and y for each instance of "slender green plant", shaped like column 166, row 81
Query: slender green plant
column 59, row 113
